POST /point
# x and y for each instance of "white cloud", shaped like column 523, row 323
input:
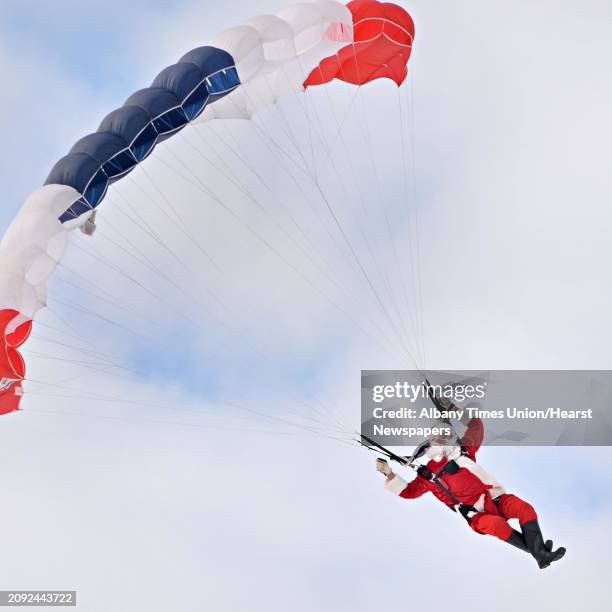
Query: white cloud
column 142, row 502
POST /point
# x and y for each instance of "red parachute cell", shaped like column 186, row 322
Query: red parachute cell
column 14, row 331
column 382, row 35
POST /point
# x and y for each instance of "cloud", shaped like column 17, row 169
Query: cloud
column 141, row 486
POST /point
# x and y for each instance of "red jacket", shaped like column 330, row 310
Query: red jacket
column 465, row 485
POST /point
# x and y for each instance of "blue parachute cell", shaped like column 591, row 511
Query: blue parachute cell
column 127, row 135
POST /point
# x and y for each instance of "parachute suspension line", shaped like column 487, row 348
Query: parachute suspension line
column 301, row 102
column 193, row 322
column 288, row 131
column 140, row 256
column 109, row 366
column 110, row 360
column 341, row 124
column 278, row 157
column 41, row 323
column 362, row 268
column 341, row 182
column 73, row 332
column 412, row 171
column 44, row 384
column 95, row 368
column 289, row 134
column 368, row 142
column 102, row 357
column 412, row 267
column 305, row 171
column 226, row 164
column 295, row 143
column 264, row 130
column 195, row 426
column 315, row 250
column 271, row 145
column 112, row 363
column 338, row 175
column 179, row 221
column 284, row 260
column 305, row 198
column 253, row 169
column 410, row 356
column 189, row 296
column 339, row 135
column 235, row 180
column 99, row 258
column 382, row 269
column 268, row 215
column 99, row 317
column 352, row 250
column 112, row 302
column 234, row 148
column 44, row 356
column 90, row 353
column 144, row 227
column 106, row 295
column 143, row 261
column 325, row 432
column 224, row 306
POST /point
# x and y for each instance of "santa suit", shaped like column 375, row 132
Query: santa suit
column 470, row 484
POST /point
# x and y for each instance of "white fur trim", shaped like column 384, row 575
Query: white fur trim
column 479, row 505
column 437, row 453
column 396, row 485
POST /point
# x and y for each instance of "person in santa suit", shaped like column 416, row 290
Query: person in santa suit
column 454, row 477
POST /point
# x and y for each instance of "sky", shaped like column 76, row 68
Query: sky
column 170, row 498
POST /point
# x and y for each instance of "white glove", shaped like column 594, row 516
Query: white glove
column 383, row 467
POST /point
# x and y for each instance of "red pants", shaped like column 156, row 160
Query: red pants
column 496, row 524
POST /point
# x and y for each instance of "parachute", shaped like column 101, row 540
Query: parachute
column 247, row 68
column 382, row 36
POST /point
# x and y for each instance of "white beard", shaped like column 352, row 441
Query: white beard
column 437, row 453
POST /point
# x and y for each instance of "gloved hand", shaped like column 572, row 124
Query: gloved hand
column 466, row 511
column 383, row 467
column 424, row 472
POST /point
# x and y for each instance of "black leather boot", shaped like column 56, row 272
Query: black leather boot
column 516, row 539
column 548, row 545
column 537, row 547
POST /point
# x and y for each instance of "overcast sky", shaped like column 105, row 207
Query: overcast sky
column 174, row 501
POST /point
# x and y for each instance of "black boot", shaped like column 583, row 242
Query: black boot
column 516, row 539
column 548, row 545
column 537, row 547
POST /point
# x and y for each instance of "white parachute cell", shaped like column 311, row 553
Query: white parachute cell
column 32, row 246
column 275, row 54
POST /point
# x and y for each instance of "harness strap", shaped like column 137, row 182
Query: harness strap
column 451, row 467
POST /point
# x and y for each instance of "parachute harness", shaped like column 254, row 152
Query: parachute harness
column 466, row 510
column 451, row 466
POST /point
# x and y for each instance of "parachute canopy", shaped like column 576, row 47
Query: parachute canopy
column 247, row 68
column 382, row 42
